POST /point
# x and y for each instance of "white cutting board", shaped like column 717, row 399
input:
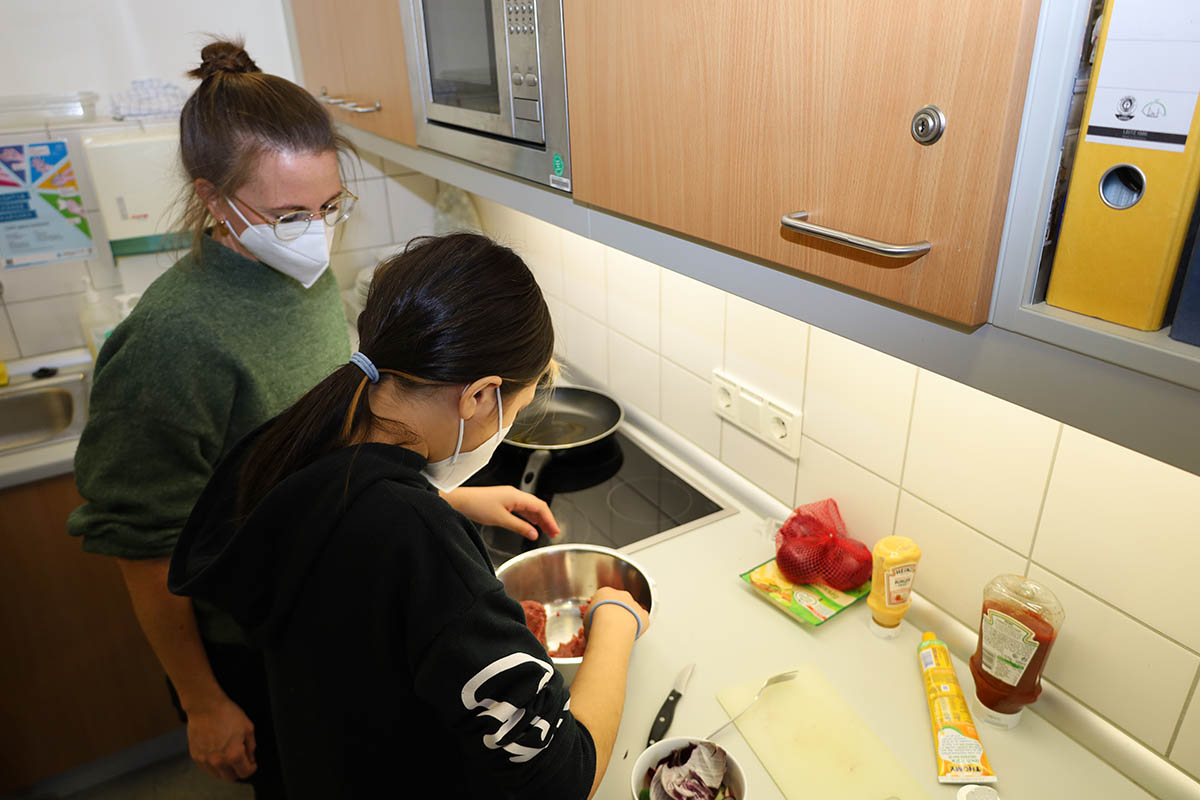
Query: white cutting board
column 814, row 745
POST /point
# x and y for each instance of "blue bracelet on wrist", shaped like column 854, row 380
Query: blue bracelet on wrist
column 636, row 617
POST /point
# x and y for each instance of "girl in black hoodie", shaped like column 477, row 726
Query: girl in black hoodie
column 397, row 665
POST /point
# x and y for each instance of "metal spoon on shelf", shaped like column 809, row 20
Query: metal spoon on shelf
column 771, row 681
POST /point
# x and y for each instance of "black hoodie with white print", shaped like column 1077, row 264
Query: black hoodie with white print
column 397, row 664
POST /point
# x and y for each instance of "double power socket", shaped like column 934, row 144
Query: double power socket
column 760, row 416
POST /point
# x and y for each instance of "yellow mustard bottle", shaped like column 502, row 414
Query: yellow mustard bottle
column 894, row 568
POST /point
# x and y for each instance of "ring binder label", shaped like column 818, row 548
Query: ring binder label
column 1149, row 81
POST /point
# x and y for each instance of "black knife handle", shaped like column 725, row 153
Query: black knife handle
column 663, row 721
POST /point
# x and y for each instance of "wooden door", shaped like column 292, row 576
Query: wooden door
column 372, row 44
column 715, row 119
column 78, row 680
column 317, row 24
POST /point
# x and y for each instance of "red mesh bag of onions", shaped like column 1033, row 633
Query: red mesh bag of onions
column 813, row 546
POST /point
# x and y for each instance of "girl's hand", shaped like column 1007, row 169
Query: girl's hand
column 615, row 612
column 506, row 507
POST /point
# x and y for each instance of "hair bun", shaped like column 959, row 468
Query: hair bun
column 223, row 57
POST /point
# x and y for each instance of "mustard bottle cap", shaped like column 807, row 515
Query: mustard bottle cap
column 884, row 632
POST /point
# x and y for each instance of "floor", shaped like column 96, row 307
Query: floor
column 175, row 779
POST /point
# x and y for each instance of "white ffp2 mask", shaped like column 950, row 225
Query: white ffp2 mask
column 302, row 259
column 450, row 473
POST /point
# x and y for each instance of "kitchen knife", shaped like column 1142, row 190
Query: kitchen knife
column 662, row 722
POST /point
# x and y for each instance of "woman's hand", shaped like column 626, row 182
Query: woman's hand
column 504, row 506
column 221, row 740
column 615, row 612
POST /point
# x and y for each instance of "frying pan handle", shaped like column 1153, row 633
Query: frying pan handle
column 533, row 470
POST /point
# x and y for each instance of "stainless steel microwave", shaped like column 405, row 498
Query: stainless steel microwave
column 488, row 80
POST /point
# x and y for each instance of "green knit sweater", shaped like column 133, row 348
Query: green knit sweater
column 215, row 347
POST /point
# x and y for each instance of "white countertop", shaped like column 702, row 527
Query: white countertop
column 709, row 616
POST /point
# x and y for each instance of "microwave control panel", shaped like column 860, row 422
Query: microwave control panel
column 520, row 28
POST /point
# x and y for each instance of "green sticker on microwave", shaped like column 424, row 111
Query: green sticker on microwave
column 558, row 164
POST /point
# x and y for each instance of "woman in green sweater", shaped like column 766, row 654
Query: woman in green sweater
column 227, row 338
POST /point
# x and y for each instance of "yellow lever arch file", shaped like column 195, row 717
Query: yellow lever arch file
column 1137, row 170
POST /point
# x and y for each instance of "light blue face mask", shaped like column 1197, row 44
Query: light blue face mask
column 450, row 473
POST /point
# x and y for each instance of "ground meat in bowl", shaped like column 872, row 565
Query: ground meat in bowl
column 535, row 619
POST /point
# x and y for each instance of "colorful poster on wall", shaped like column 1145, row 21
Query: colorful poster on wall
column 41, row 211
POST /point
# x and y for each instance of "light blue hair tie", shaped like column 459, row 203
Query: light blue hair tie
column 592, row 613
column 361, row 361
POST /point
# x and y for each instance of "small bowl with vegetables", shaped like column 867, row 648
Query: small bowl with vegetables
column 683, row 767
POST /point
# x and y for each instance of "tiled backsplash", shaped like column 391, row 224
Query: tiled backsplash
column 982, row 485
column 39, row 312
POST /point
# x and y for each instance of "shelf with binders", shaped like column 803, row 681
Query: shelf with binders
column 1112, row 206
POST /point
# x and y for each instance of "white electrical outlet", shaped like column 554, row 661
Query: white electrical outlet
column 758, row 415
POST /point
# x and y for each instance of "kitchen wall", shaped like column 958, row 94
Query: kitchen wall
column 67, row 46
column 103, row 51
column 983, row 486
column 40, row 305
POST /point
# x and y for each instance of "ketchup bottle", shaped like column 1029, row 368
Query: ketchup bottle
column 1017, row 627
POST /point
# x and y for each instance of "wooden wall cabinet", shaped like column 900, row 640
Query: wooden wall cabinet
column 78, row 680
column 354, row 51
column 716, row 119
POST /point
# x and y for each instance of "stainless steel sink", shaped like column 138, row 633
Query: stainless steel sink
column 37, row 412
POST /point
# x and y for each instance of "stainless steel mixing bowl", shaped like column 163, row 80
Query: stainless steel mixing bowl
column 565, row 576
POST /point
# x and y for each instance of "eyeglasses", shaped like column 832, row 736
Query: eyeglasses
column 292, row 225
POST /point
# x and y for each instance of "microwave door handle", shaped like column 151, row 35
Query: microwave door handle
column 503, row 68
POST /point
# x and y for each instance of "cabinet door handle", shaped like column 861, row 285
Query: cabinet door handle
column 796, row 222
column 357, row 109
column 330, row 101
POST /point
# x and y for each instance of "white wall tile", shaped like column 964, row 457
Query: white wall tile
column 543, row 253
column 857, row 402
column 867, row 502
column 395, row 169
column 587, row 345
column 347, row 264
column 633, row 373
column 43, row 326
column 687, row 407
column 583, row 275
column 1099, row 648
column 368, row 225
column 979, row 458
column 559, row 311
column 1186, row 751
column 138, row 272
column 766, row 349
column 101, row 266
column 502, row 223
column 956, row 561
column 758, row 462
column 1125, row 527
column 693, row 323
column 633, row 305
column 410, row 202
column 8, row 340
column 363, row 167
column 43, row 280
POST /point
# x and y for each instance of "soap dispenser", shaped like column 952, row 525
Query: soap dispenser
column 97, row 317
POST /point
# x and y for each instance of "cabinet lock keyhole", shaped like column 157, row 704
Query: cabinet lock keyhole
column 928, row 124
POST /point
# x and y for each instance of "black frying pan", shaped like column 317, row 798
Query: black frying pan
column 563, row 418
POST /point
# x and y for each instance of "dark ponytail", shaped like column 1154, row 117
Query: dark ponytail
column 448, row 310
column 237, row 113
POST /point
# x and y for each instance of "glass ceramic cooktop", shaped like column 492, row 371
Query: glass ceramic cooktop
column 610, row 493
